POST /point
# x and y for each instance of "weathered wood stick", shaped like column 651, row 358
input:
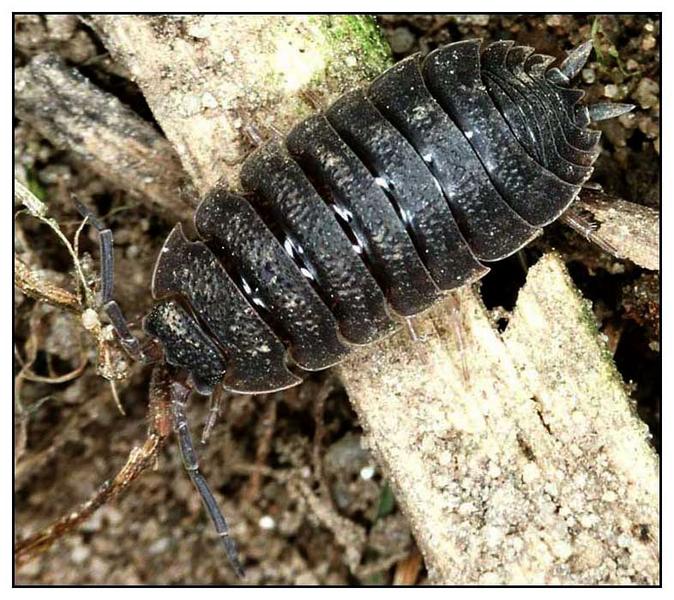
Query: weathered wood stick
column 217, row 84
column 99, row 130
column 633, row 230
column 533, row 469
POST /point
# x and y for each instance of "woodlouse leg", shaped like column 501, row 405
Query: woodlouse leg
column 313, row 100
column 258, row 135
column 410, row 328
column 179, row 397
column 522, row 260
column 129, row 341
column 588, row 229
column 253, row 134
column 213, row 413
column 455, row 308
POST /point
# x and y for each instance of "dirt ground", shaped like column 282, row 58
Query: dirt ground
column 277, row 462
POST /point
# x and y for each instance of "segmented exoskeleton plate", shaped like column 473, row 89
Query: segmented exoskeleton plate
column 370, row 211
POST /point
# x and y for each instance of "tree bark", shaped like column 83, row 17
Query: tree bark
column 517, row 458
column 633, row 230
column 216, row 83
column 101, row 132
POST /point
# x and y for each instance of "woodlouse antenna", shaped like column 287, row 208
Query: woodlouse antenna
column 129, row 341
column 179, row 397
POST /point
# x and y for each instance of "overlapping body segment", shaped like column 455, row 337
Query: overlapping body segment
column 382, row 239
column 518, row 99
column 487, row 226
column 281, row 191
column 256, row 358
column 453, row 75
column 367, row 213
column 275, row 285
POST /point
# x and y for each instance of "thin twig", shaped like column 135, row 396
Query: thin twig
column 408, row 569
column 139, row 459
column 39, row 210
column 35, row 286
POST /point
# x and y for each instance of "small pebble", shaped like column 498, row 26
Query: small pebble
column 562, row 550
column 367, row 472
column 476, row 20
column 191, row 104
column 80, row 554
column 609, row 496
column 551, row 489
column 494, row 471
column 588, row 75
column 266, row 522
column 517, row 544
column 208, row 100
column 588, row 520
column 90, row 319
column 31, row 569
column 648, row 43
column 160, row 546
column 493, row 536
column 351, row 61
column 402, row 40
column 466, row 508
column 198, row 30
column 611, row 90
column 306, row 579
column 647, row 93
column 530, row 472
column 61, row 27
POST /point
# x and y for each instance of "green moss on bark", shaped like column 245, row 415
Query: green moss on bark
column 357, row 46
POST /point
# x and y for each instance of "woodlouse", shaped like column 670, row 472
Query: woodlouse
column 363, row 214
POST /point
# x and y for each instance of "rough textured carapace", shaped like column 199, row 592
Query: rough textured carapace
column 370, row 211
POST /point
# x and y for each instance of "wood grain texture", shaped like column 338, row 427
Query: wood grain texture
column 534, row 469
column 93, row 125
column 216, row 83
column 633, row 230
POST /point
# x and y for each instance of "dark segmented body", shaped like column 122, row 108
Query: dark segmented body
column 370, row 211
